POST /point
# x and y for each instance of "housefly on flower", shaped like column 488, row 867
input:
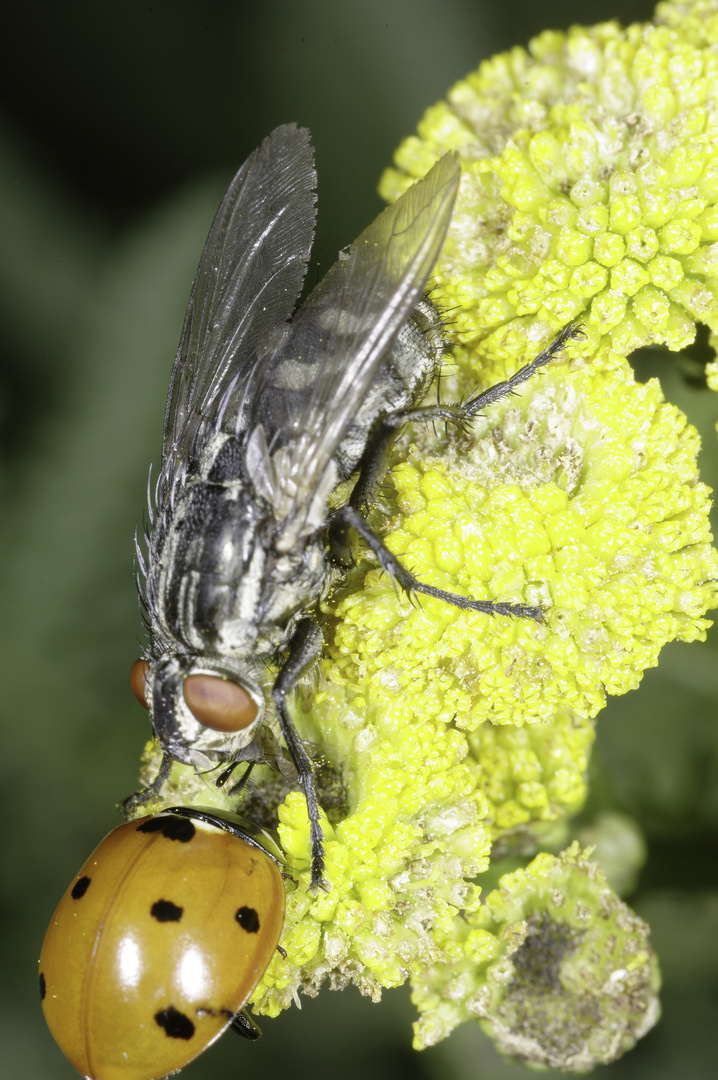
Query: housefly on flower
column 268, row 412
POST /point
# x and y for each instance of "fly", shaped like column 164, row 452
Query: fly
column 268, row 412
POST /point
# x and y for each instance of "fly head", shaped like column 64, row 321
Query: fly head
column 201, row 707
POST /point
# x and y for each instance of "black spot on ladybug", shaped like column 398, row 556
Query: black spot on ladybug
column 248, row 919
column 171, row 827
column 174, row 1023
column 80, row 888
column 43, row 987
column 166, row 911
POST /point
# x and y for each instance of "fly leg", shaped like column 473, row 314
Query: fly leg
column 375, row 459
column 241, row 783
column 409, row 583
column 473, row 406
column 139, row 798
column 374, row 464
column 305, row 647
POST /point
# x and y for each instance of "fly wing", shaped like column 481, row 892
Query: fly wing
column 300, row 399
column 247, row 284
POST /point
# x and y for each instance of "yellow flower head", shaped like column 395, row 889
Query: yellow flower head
column 589, row 186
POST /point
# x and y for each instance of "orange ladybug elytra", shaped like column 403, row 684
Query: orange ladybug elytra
column 158, row 943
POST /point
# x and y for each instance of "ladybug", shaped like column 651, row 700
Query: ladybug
column 158, row 943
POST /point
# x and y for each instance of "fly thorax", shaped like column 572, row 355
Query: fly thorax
column 238, row 628
column 211, row 569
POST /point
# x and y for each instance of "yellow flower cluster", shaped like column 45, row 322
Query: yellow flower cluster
column 400, row 861
column 589, row 186
column 531, row 775
column 581, row 494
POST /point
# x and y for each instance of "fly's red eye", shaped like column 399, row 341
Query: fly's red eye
column 218, row 703
column 138, row 678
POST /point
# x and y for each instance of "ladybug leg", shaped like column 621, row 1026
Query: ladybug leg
column 305, row 647
column 139, row 798
column 243, row 1024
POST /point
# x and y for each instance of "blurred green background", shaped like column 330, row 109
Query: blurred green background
column 120, row 125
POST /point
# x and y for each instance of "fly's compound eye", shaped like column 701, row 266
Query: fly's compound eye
column 218, row 703
column 138, row 679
